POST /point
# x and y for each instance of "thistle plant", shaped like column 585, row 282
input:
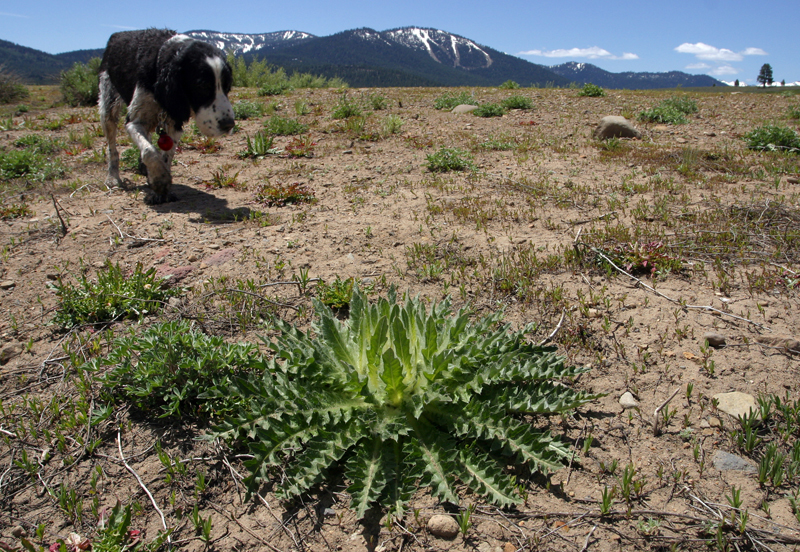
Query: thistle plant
column 401, row 397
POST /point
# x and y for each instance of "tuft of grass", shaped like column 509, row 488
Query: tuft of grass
column 246, row 109
column 773, row 138
column 517, row 102
column 29, row 163
column 671, row 111
column 448, row 101
column 449, row 159
column 346, row 108
column 282, row 126
column 590, row 90
column 392, row 124
column 116, row 295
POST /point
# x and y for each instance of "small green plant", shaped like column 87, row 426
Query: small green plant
column 449, row 159
column 221, row 179
column 15, row 210
column 402, row 397
column 793, row 112
column 278, row 195
column 246, row 109
column 176, row 370
column 590, row 90
column 80, row 85
column 337, row 294
column 773, row 138
column 281, row 126
column 448, row 101
column 300, row 146
column 378, row 102
column 114, row 296
column 261, row 145
column 517, row 102
column 509, row 85
column 489, row 110
column 346, row 108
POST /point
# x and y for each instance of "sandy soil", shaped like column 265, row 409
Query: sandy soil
column 377, row 209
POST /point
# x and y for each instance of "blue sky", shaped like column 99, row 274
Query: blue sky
column 727, row 39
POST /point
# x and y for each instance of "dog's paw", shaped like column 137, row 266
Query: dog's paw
column 158, row 199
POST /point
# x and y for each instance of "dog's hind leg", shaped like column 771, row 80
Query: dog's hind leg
column 109, row 107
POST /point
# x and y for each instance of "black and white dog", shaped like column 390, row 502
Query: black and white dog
column 164, row 78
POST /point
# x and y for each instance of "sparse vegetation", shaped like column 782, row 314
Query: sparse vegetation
column 626, row 255
column 448, row 100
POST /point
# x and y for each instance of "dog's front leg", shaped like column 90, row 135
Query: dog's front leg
column 157, row 162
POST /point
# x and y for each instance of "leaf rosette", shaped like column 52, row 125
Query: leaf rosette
column 402, row 397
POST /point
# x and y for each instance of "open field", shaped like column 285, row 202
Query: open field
column 624, row 254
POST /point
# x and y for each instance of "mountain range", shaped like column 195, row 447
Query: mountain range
column 408, row 56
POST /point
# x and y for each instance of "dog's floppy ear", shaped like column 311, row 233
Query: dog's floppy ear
column 169, row 87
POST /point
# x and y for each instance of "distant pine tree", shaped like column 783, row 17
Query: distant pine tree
column 736, row 83
column 765, row 75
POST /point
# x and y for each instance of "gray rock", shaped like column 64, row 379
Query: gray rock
column 615, row 126
column 464, row 108
column 7, row 284
column 736, row 404
column 714, row 339
column 725, row 461
column 10, row 351
column 628, row 401
column 442, row 526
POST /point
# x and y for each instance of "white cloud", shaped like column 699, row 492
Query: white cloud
column 595, row 52
column 754, row 52
column 698, row 66
column 724, row 70
column 711, row 53
column 5, row 14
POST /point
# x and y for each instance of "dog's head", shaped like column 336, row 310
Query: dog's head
column 196, row 75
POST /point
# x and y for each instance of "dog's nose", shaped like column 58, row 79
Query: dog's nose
column 226, row 124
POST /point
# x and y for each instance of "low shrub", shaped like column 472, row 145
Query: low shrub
column 346, row 108
column 278, row 195
column 509, row 85
column 175, row 370
column 11, row 89
column 590, row 90
column 773, row 138
column 80, row 85
column 489, row 110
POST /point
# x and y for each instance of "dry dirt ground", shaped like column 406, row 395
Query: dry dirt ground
column 531, row 230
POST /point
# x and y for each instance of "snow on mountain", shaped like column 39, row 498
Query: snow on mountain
column 241, row 43
column 442, row 46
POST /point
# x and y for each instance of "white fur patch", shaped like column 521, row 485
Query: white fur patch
column 209, row 117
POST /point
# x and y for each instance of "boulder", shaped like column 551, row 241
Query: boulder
column 615, row 126
column 464, row 108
